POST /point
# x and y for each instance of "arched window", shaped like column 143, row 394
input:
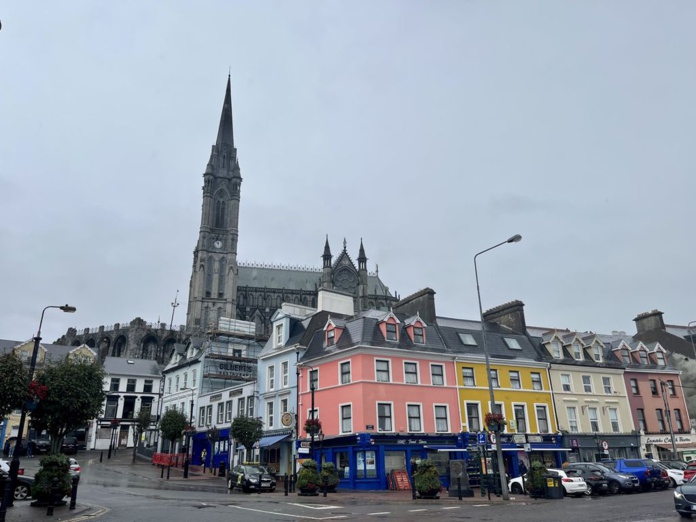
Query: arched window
column 222, row 266
column 209, row 276
column 220, row 214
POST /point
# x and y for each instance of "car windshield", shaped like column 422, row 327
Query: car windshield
column 254, row 470
column 609, row 465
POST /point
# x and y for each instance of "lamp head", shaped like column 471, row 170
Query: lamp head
column 68, row 309
column 515, row 239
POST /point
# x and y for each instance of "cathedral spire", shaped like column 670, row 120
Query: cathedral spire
column 225, row 137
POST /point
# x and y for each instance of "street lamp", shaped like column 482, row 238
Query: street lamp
column 8, row 497
column 668, row 413
column 498, row 447
column 691, row 336
column 189, row 433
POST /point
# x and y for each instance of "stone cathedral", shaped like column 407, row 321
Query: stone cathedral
column 221, row 286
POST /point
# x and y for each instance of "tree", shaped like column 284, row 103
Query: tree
column 15, row 382
column 172, row 425
column 75, row 396
column 247, row 430
column 142, row 422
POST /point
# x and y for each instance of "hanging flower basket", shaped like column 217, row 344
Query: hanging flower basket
column 35, row 392
column 495, row 421
column 312, row 426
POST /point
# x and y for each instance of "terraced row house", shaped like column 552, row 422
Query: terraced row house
column 390, row 388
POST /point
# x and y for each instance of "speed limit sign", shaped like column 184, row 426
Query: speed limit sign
column 491, row 437
column 605, row 445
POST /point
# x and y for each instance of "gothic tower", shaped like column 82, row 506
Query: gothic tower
column 213, row 287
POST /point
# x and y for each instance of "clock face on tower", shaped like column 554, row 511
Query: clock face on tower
column 217, row 244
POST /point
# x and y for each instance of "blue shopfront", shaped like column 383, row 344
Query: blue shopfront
column 527, row 448
column 366, row 461
column 216, row 451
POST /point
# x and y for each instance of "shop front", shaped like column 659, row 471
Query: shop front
column 660, row 447
column 366, row 461
column 594, row 447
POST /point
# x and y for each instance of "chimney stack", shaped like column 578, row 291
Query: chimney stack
column 510, row 315
column 649, row 321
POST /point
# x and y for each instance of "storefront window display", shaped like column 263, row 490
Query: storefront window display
column 366, row 464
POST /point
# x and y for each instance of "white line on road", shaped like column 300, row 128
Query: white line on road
column 416, row 510
column 304, row 517
column 314, row 506
column 453, row 507
column 380, row 513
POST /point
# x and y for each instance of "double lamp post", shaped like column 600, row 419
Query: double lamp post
column 8, row 496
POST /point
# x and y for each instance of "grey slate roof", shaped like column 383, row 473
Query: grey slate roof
column 53, row 351
column 294, row 279
column 134, row 367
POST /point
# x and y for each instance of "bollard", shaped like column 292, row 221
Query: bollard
column 162, row 472
column 413, row 488
column 52, row 497
column 324, row 484
column 168, row 470
column 222, row 471
column 285, row 484
column 459, row 488
column 73, row 491
column 186, row 468
column 101, row 456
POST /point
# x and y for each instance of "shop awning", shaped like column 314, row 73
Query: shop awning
column 534, row 450
column 683, row 446
column 271, row 440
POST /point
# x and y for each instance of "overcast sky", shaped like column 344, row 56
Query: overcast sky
column 431, row 129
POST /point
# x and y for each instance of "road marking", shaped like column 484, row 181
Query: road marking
column 101, row 511
column 287, row 514
column 314, row 506
column 480, row 505
column 416, row 510
column 453, row 507
column 380, row 513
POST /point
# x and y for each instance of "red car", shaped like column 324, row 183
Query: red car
column 690, row 471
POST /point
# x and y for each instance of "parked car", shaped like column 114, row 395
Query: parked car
column 24, row 485
column 690, row 471
column 5, row 466
column 616, row 482
column 649, row 476
column 661, row 473
column 685, row 498
column 675, row 464
column 250, row 477
column 42, row 446
column 75, row 468
column 69, row 446
column 572, row 485
column 595, row 480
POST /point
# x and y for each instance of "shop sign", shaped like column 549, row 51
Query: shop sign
column 679, row 439
column 411, row 441
column 535, row 438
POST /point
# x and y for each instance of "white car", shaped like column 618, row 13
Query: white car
column 5, row 466
column 75, row 467
column 676, row 476
column 573, row 485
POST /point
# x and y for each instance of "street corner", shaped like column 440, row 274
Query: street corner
column 25, row 512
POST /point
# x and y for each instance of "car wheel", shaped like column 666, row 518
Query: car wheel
column 230, row 484
column 516, row 489
column 684, row 514
column 588, row 491
column 614, row 487
column 672, row 483
column 21, row 492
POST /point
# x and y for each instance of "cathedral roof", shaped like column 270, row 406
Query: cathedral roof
column 225, row 132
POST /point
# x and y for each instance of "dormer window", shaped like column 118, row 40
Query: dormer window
column 625, row 357
column 279, row 335
column 577, row 352
column 660, row 356
column 597, row 350
column 391, row 332
column 332, row 333
column 418, row 335
column 556, row 350
column 331, row 337
column 644, row 357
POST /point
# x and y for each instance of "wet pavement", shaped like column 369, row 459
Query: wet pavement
column 93, row 462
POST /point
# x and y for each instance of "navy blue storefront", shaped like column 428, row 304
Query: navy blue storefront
column 216, row 452
column 365, row 460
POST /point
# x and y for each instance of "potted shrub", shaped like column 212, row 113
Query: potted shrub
column 52, row 466
column 308, row 479
column 329, row 476
column 534, row 481
column 427, row 480
column 495, row 422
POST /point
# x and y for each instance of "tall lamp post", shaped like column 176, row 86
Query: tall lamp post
column 8, row 497
column 498, row 447
column 189, row 433
column 691, row 336
column 668, row 413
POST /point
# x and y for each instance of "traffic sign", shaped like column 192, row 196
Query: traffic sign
column 481, row 438
column 605, row 445
column 492, row 437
